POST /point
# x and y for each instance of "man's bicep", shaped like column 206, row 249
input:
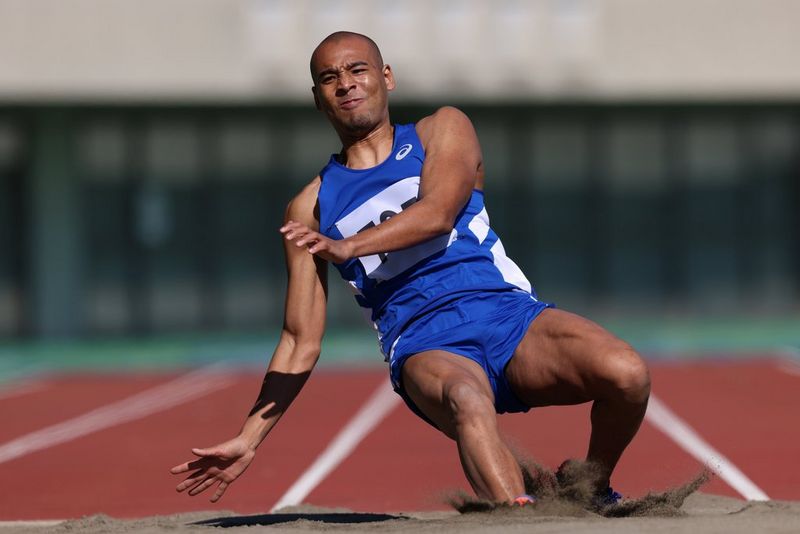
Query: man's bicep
column 307, row 287
column 306, row 295
column 449, row 133
column 452, row 159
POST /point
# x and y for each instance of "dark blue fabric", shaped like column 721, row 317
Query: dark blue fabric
column 484, row 327
column 396, row 287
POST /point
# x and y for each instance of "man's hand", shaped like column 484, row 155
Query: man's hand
column 335, row 251
column 222, row 463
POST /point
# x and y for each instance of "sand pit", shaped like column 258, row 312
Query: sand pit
column 565, row 504
column 702, row 513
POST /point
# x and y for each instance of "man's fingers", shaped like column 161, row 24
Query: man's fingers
column 206, row 458
column 318, row 246
column 310, row 238
column 292, row 235
column 220, row 491
column 192, row 480
column 299, row 233
column 293, row 229
column 204, row 453
column 191, row 484
column 201, row 463
column 178, row 469
column 202, row 487
column 288, row 226
column 302, row 236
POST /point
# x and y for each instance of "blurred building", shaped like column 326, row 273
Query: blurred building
column 642, row 157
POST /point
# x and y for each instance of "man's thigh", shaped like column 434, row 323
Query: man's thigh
column 428, row 379
column 566, row 359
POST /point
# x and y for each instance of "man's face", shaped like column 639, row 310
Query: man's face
column 351, row 84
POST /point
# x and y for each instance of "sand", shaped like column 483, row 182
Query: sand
column 566, row 503
column 700, row 514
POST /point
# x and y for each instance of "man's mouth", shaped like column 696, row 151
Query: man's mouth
column 351, row 103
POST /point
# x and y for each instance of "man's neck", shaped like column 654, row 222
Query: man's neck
column 369, row 150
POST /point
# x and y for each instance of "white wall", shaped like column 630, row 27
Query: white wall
column 251, row 50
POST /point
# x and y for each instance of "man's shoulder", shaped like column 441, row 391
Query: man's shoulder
column 444, row 117
column 303, row 207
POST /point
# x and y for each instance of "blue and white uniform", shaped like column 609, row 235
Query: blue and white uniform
column 419, row 297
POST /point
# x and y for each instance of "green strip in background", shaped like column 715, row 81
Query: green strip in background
column 656, row 338
column 698, row 337
column 165, row 353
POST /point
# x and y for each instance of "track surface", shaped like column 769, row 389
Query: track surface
column 745, row 409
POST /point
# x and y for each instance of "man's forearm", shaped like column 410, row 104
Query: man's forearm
column 284, row 379
column 416, row 224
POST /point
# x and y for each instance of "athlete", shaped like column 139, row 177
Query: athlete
column 400, row 213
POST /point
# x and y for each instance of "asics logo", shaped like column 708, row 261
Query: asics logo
column 403, row 152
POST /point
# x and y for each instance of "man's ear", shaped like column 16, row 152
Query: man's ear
column 316, row 97
column 388, row 78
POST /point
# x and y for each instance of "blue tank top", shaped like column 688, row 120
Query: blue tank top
column 395, row 287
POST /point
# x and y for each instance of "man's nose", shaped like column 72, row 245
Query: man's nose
column 346, row 82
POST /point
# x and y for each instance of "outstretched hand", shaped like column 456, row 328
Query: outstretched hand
column 221, row 463
column 336, row 251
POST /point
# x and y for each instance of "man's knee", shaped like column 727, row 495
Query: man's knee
column 628, row 375
column 468, row 404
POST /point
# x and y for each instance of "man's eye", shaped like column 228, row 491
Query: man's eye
column 359, row 71
column 327, row 79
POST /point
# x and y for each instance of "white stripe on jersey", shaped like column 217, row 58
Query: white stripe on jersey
column 511, row 273
column 376, row 210
column 479, row 225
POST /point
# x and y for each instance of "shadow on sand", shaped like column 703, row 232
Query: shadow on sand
column 275, row 519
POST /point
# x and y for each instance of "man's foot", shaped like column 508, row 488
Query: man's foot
column 607, row 497
column 524, row 500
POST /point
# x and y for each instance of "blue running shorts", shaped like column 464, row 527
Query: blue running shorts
column 485, row 327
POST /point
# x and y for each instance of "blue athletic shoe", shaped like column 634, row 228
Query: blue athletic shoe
column 607, row 497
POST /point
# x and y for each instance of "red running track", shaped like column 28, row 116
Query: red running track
column 746, row 410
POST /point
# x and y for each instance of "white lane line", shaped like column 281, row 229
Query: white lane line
column 689, row 440
column 788, row 360
column 21, row 388
column 790, row 367
column 183, row 389
column 378, row 406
